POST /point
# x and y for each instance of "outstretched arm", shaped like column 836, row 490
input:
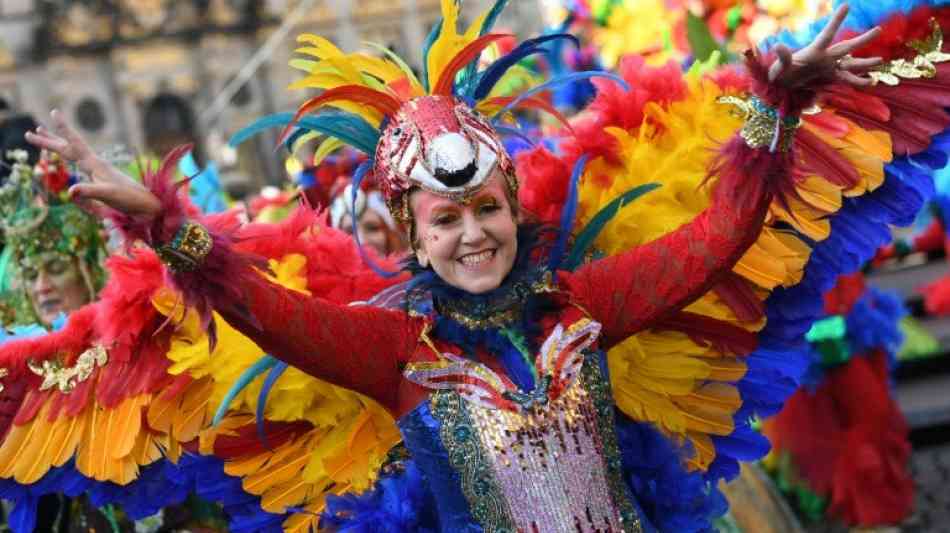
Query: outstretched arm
column 360, row 348
column 631, row 291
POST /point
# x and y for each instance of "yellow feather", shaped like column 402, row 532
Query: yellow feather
column 193, row 413
column 34, row 459
column 161, row 413
column 450, row 42
column 704, row 451
column 147, row 449
column 127, row 425
column 71, row 429
column 278, row 473
column 278, row 498
column 246, row 466
column 726, row 370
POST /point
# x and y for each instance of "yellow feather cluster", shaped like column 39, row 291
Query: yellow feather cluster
column 351, row 436
column 685, row 388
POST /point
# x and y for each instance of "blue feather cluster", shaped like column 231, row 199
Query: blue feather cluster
column 396, row 503
column 159, row 485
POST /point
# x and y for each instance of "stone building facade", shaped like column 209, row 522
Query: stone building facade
column 128, row 72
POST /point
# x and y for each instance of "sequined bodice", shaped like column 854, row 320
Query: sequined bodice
column 545, row 461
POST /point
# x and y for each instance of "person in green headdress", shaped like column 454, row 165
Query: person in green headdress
column 52, row 259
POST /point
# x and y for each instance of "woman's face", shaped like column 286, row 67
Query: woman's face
column 373, row 230
column 471, row 246
column 54, row 285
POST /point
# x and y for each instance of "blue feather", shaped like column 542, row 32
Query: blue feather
column 568, row 213
column 515, row 132
column 426, row 47
column 490, row 76
column 272, row 378
column 347, row 127
column 358, row 176
column 570, row 78
column 262, row 365
column 489, row 23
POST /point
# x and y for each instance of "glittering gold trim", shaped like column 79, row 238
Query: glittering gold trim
column 65, row 379
column 930, row 52
column 503, row 317
column 188, row 249
column 761, row 122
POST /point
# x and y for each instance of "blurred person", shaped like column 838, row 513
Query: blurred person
column 13, row 126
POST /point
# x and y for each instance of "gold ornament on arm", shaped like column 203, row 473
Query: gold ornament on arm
column 930, row 52
column 65, row 379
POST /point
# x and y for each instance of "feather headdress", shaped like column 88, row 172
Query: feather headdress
column 438, row 132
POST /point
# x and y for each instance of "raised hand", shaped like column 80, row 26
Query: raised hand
column 822, row 59
column 108, row 184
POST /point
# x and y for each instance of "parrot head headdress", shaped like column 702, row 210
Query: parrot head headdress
column 441, row 131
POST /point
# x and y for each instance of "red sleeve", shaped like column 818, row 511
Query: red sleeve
column 628, row 292
column 358, row 347
column 631, row 291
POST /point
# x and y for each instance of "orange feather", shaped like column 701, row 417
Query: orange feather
column 126, row 425
column 192, row 416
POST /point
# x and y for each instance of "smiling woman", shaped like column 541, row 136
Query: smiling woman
column 537, row 385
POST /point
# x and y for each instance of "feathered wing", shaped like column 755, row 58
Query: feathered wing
column 863, row 163
column 291, row 438
column 119, row 403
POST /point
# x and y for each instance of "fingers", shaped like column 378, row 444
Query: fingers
column 78, row 144
column 859, row 63
column 852, row 78
column 784, row 55
column 827, row 35
column 43, row 139
column 849, row 45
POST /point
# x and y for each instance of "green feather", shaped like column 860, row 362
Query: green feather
column 585, row 239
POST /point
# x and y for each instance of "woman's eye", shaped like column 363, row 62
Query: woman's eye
column 443, row 220
column 489, row 208
column 29, row 274
column 56, row 267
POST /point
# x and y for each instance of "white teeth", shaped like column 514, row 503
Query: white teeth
column 475, row 259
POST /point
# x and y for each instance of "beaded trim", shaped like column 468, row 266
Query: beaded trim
column 930, row 51
column 502, row 312
column 459, row 436
column 762, row 123
column 599, row 389
column 65, row 379
column 188, row 248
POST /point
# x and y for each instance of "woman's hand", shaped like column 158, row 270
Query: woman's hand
column 822, row 59
column 108, row 185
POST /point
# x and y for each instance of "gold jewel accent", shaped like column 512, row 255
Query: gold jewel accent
column 504, row 316
column 188, row 248
column 761, row 122
column 930, row 52
column 497, row 320
column 3, row 373
column 65, row 379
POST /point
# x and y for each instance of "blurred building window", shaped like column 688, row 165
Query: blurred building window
column 90, row 116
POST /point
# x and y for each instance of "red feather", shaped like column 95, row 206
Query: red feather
column 741, row 299
column 443, row 87
column 724, row 337
column 246, row 441
column 818, row 157
column 534, row 102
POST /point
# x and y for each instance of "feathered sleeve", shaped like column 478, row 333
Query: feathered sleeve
column 359, row 348
column 632, row 291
